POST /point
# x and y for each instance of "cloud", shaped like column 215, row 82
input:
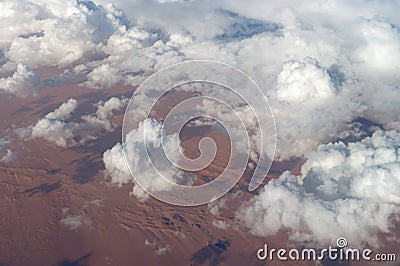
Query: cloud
column 159, row 248
column 53, row 127
column 171, row 1
column 93, row 203
column 56, row 128
column 134, row 55
column 105, row 109
column 240, row 27
column 215, row 206
column 116, row 165
column 74, row 222
column 318, row 74
column 179, row 234
column 103, row 76
column 220, row 225
column 323, row 66
column 24, row 82
column 93, row 124
column 6, row 154
column 343, row 190
column 315, row 71
column 64, row 111
column 57, row 33
column 201, row 121
column 301, row 81
column 381, row 49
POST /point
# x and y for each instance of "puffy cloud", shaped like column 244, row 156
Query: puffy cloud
column 24, row 82
column 103, row 76
column 93, row 203
column 301, row 81
column 73, row 222
column 116, row 165
column 55, row 128
column 343, row 190
column 19, row 18
column 93, row 124
column 57, row 33
column 309, row 110
column 117, row 168
column 159, row 248
column 380, row 52
column 105, row 110
column 6, row 154
column 141, row 50
column 64, row 111
column 220, row 225
column 54, row 131
column 134, row 55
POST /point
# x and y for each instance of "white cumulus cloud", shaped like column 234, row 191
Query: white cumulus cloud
column 343, row 190
column 94, row 124
column 45, row 33
column 117, row 168
column 74, row 222
column 6, row 154
column 24, row 82
column 57, row 127
column 53, row 126
column 300, row 81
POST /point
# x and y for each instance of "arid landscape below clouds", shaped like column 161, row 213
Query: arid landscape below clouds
column 59, row 208
column 111, row 111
